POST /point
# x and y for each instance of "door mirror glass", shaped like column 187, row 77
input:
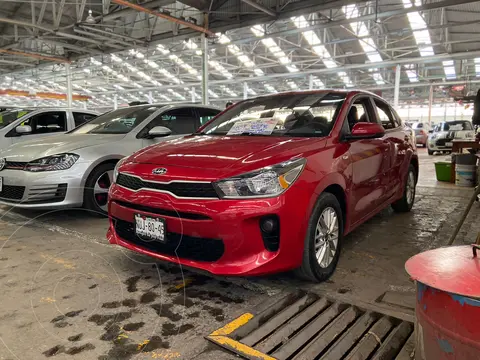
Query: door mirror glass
column 366, row 131
column 159, row 131
column 23, row 129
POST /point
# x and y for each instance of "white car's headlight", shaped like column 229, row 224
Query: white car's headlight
column 115, row 170
column 266, row 182
column 52, row 163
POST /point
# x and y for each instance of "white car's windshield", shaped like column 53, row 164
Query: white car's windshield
column 307, row 114
column 120, row 121
column 9, row 116
column 457, row 126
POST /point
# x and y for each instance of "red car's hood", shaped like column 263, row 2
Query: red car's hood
column 224, row 152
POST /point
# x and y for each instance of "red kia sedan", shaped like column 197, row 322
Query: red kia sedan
column 271, row 184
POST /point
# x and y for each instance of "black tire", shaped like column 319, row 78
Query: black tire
column 430, row 152
column 425, row 145
column 404, row 204
column 89, row 201
column 310, row 269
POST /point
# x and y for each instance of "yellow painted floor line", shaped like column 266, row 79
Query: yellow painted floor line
column 233, row 325
column 239, row 348
column 220, row 337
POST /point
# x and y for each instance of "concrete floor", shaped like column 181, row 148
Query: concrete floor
column 67, row 294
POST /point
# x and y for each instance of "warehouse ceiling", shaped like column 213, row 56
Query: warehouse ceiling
column 154, row 50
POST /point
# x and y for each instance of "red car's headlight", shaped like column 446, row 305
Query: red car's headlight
column 266, row 182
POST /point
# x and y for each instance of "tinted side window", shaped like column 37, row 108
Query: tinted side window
column 180, row 121
column 205, row 115
column 385, row 115
column 81, row 118
column 47, row 122
column 358, row 113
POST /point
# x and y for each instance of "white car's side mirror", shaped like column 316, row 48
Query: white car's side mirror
column 23, row 129
column 159, row 131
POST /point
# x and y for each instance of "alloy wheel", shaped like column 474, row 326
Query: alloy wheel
column 410, row 190
column 326, row 237
column 100, row 190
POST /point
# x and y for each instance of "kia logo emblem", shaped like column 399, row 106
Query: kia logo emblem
column 159, row 171
column 2, row 163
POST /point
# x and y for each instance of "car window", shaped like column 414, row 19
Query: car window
column 385, row 115
column 457, row 126
column 357, row 113
column 120, row 121
column 81, row 118
column 179, row 121
column 205, row 115
column 9, row 116
column 46, row 122
column 302, row 115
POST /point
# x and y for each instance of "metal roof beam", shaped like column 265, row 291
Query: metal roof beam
column 260, row 7
column 383, row 64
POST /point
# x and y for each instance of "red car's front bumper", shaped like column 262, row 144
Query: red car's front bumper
column 222, row 237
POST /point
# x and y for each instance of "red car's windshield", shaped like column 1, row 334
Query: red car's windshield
column 308, row 114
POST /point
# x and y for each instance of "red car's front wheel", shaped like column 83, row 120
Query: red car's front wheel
column 323, row 240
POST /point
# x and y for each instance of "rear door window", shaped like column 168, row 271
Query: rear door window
column 81, row 118
column 46, row 123
column 179, row 121
column 205, row 115
column 385, row 115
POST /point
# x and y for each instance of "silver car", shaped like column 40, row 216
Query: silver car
column 25, row 124
column 75, row 169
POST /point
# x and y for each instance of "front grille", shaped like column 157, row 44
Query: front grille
column 12, row 192
column 442, row 142
column 183, row 246
column 180, row 189
column 15, row 165
column 164, row 212
column 47, row 194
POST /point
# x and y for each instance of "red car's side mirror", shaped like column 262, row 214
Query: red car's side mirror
column 365, row 130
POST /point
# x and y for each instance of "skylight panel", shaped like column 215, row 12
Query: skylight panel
column 367, row 43
column 411, row 73
column 274, row 49
column 477, row 66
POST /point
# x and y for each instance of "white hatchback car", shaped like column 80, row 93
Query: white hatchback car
column 27, row 124
column 442, row 136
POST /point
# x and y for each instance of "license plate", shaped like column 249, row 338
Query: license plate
column 148, row 228
column 449, row 144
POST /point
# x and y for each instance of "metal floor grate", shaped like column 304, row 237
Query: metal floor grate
column 307, row 327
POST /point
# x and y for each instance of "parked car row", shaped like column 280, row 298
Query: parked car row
column 270, row 184
column 440, row 137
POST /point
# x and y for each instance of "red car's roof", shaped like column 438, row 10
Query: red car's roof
column 322, row 91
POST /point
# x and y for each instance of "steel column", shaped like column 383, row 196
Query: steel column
column 192, row 93
column 430, row 103
column 245, row 90
column 204, row 70
column 115, row 102
column 69, row 85
column 310, row 82
column 396, row 92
